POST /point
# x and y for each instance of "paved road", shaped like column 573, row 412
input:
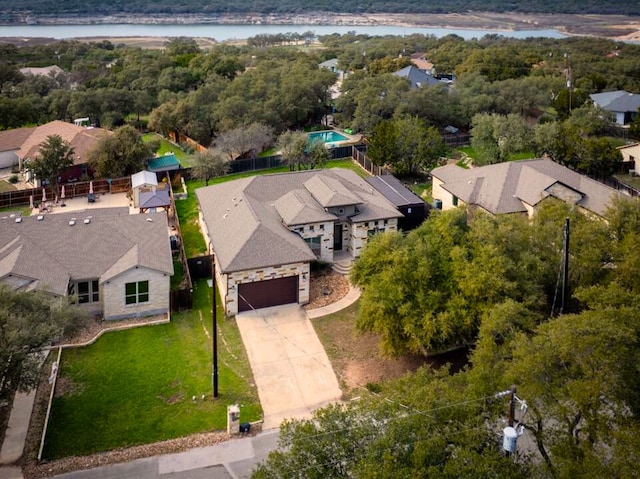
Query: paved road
column 290, row 366
column 233, row 459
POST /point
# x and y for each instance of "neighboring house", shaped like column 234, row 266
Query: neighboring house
column 147, row 194
column 83, row 140
column 518, row 187
column 266, row 230
column 332, row 64
column 117, row 265
column 51, row 70
column 412, row 207
column 420, row 61
column 416, row 77
column 623, row 105
column 10, row 143
column 631, row 157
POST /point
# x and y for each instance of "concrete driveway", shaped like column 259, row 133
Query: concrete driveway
column 290, row 367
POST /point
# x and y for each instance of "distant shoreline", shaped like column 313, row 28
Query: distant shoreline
column 615, row 27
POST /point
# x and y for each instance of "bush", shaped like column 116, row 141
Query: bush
column 13, row 179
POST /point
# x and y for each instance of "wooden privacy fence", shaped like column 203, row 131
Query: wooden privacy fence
column 71, row 190
column 180, row 299
column 362, row 159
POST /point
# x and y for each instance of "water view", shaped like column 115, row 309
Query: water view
column 230, row 32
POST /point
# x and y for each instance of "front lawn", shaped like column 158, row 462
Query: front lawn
column 194, row 243
column 25, row 210
column 136, row 386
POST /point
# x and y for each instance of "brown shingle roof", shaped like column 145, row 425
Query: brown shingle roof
column 506, row 187
column 245, row 217
column 50, row 252
column 82, row 139
column 11, row 140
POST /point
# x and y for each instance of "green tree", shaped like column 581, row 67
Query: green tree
column 292, row 146
column 245, row 141
column 54, row 156
column 382, row 143
column 29, row 322
column 209, row 164
column 120, row 154
column 317, row 154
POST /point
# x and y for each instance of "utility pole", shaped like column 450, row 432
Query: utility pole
column 214, row 333
column 569, row 84
column 512, row 406
column 565, row 271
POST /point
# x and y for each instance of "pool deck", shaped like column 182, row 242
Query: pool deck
column 350, row 138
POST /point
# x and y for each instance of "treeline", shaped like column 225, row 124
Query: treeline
column 212, row 7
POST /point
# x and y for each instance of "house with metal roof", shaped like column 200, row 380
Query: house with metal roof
column 622, row 104
column 412, row 207
column 116, row 265
column 518, row 187
column 265, row 231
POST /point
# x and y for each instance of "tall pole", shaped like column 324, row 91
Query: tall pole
column 512, row 406
column 214, row 333
column 565, row 272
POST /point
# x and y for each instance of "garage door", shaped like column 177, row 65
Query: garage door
column 264, row 294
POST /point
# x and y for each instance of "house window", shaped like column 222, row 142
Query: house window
column 87, row 291
column 409, row 210
column 135, row 293
column 314, row 244
column 321, row 227
column 312, row 228
column 455, row 200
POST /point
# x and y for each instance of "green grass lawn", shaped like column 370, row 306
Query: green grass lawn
column 194, row 243
column 167, row 147
column 25, row 210
column 6, row 186
column 135, row 387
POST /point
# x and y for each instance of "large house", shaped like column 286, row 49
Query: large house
column 22, row 144
column 631, row 157
column 518, row 187
column 417, row 78
column 117, row 265
column 622, row 105
column 266, row 230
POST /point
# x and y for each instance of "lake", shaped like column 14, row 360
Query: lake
column 230, row 32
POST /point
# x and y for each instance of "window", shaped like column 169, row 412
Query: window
column 135, row 293
column 314, row 244
column 87, row 291
column 312, row 228
column 455, row 201
column 321, row 227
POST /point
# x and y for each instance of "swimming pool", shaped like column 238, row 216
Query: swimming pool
column 327, row 136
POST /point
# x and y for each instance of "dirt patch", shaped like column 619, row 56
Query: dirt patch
column 66, row 387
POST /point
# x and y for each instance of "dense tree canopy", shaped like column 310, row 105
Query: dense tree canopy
column 120, row 154
column 493, row 280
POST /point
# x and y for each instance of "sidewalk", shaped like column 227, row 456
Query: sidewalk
column 351, row 297
column 16, row 435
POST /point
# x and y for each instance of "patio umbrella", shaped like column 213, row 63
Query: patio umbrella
column 62, row 193
column 91, row 187
column 44, row 195
column 31, row 201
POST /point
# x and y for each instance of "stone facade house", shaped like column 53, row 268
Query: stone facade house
column 518, row 187
column 117, row 265
column 265, row 231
